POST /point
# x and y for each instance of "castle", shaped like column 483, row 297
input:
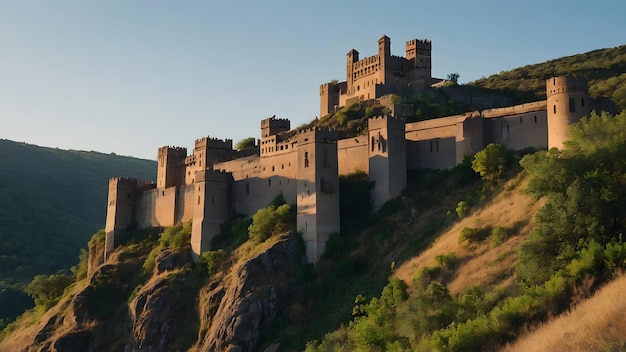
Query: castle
column 215, row 182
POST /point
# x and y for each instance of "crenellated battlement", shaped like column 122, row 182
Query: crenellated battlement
column 385, row 121
column 272, row 126
column 172, row 151
column 123, row 182
column 213, row 143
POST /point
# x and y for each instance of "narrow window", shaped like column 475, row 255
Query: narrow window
column 247, row 189
column 198, row 200
column 582, row 102
column 306, row 159
column 373, row 143
column 520, row 120
column 554, row 109
column 572, row 105
column 269, row 183
column 431, row 146
column 535, row 118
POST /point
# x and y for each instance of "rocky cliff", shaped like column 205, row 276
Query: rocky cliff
column 175, row 307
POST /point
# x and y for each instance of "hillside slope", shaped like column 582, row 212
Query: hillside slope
column 51, row 201
column 604, row 68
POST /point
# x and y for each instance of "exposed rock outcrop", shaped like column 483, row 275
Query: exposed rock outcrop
column 250, row 302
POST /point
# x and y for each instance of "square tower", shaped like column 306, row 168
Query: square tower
column 317, row 190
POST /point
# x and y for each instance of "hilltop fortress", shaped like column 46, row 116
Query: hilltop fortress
column 215, row 182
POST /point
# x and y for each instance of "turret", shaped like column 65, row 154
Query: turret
column 384, row 55
column 171, row 166
column 120, row 209
column 352, row 58
column 272, row 126
column 568, row 101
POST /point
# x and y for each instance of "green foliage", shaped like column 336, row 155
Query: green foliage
column 461, row 209
column 268, row 222
column 454, row 77
column 604, row 69
column 446, row 260
column 212, row 260
column 472, row 234
column 245, row 143
column 586, row 200
column 80, row 270
column 498, row 235
column 172, row 237
column 176, row 236
column 436, row 103
column 51, row 201
column 490, row 163
column 47, row 290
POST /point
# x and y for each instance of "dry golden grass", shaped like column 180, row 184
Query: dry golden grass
column 482, row 263
column 597, row 324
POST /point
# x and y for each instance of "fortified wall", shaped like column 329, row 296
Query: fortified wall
column 216, row 182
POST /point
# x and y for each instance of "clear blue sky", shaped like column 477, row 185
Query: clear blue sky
column 131, row 76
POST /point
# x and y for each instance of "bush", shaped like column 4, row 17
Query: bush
column 446, row 260
column 268, row 222
column 47, row 290
column 212, row 260
column 461, row 209
column 498, row 235
column 473, row 235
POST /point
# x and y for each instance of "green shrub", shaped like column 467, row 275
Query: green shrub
column 462, row 209
column 446, row 260
column 473, row 235
column 268, row 222
column 47, row 290
column 212, row 260
column 498, row 235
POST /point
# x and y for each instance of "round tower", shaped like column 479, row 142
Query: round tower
column 567, row 102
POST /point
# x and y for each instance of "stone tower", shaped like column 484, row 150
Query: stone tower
column 171, row 166
column 418, row 52
column 273, row 126
column 211, row 208
column 387, row 158
column 120, row 209
column 567, row 102
column 352, row 58
column 317, row 190
column 384, row 57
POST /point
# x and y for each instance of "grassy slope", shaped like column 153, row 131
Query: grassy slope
column 596, row 324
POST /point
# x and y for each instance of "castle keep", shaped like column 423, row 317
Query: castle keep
column 215, row 182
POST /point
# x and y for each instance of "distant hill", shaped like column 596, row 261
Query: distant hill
column 604, row 68
column 51, row 203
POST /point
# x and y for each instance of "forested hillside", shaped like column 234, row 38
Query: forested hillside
column 604, row 68
column 51, row 201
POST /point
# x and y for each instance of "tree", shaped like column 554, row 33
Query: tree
column 490, row 162
column 47, row 290
column 454, row 77
column 245, row 143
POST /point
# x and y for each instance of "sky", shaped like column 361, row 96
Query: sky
column 128, row 77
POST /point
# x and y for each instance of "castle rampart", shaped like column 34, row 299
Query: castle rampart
column 216, row 182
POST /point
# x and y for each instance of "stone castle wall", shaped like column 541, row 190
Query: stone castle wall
column 215, row 182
